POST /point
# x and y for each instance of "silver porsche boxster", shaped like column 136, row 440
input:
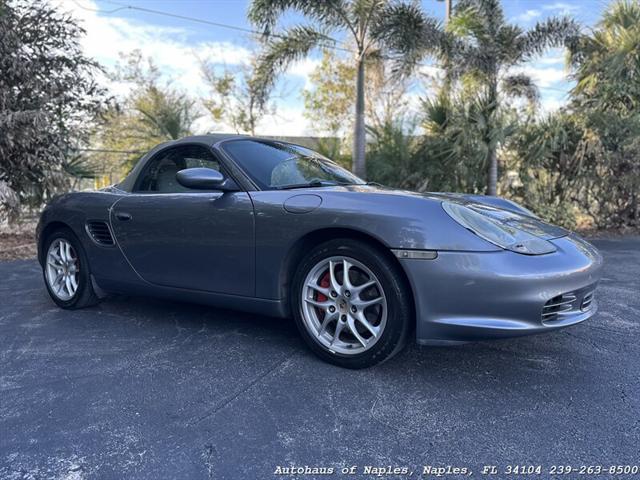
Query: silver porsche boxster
column 274, row 228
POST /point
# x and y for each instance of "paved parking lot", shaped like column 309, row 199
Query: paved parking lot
column 139, row 388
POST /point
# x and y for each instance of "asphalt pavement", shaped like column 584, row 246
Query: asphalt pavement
column 143, row 388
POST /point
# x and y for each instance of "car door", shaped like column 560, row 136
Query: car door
column 178, row 237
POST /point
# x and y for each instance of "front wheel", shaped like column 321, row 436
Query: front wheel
column 351, row 304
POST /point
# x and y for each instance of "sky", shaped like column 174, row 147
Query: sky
column 177, row 45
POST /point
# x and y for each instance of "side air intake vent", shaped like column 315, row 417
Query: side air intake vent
column 568, row 304
column 587, row 302
column 100, row 233
column 557, row 306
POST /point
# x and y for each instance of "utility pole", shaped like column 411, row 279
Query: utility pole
column 447, row 11
column 446, row 85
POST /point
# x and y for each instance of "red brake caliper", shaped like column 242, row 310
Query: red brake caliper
column 324, row 283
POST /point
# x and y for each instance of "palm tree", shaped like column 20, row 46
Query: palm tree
column 606, row 66
column 607, row 63
column 152, row 112
column 359, row 19
column 483, row 49
column 164, row 114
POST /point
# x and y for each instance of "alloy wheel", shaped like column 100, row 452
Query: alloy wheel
column 344, row 307
column 62, row 269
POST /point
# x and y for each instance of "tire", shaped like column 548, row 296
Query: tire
column 386, row 306
column 84, row 294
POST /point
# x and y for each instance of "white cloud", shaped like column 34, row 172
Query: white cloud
column 552, row 81
column 108, row 37
column 206, row 124
column 304, row 68
column 550, row 104
column 562, row 7
column 432, row 72
column 288, row 121
column 542, row 76
column 551, row 60
column 529, row 15
column 177, row 55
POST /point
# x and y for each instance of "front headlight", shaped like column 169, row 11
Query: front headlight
column 500, row 234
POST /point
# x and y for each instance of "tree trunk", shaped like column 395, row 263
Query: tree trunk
column 359, row 139
column 493, row 171
column 492, row 183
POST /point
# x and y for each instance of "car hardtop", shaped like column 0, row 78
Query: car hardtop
column 210, row 140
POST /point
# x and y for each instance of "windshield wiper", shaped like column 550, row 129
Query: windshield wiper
column 306, row 185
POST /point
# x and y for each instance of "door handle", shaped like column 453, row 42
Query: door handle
column 123, row 216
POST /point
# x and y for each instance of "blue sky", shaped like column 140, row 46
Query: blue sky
column 176, row 44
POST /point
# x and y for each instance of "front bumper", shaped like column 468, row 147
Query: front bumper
column 469, row 296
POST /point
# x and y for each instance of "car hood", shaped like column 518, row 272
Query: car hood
column 500, row 209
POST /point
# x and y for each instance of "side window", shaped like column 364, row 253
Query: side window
column 159, row 176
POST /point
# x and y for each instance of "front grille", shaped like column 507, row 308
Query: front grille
column 558, row 306
column 587, row 300
column 569, row 303
column 100, row 233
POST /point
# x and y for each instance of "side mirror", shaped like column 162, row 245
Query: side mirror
column 204, row 179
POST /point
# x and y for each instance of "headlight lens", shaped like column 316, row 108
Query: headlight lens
column 500, row 234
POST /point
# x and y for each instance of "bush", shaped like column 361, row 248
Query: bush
column 47, row 100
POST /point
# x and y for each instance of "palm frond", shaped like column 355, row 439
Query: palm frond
column 480, row 19
column 521, row 85
column 507, row 39
column 474, row 45
column 606, row 63
column 437, row 114
column 623, row 14
column 492, row 15
column 579, row 49
column 79, row 167
column 552, row 32
column 409, row 34
column 466, row 23
column 279, row 53
column 466, row 57
column 365, row 12
column 329, row 13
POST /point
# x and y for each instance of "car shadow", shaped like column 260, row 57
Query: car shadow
column 506, row 359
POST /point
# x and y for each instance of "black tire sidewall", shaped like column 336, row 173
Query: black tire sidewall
column 84, row 278
column 399, row 311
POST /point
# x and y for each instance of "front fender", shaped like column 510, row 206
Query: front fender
column 395, row 221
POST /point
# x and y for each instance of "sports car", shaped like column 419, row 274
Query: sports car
column 274, row 228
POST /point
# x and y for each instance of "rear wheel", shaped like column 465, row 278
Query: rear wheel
column 351, row 304
column 66, row 271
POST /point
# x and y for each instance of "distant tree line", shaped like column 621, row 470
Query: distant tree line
column 479, row 129
column 482, row 130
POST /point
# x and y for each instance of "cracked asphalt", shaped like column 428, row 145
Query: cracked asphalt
column 141, row 388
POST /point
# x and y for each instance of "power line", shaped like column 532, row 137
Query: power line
column 103, row 150
column 122, row 6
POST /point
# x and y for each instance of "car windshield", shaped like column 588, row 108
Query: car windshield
column 276, row 165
